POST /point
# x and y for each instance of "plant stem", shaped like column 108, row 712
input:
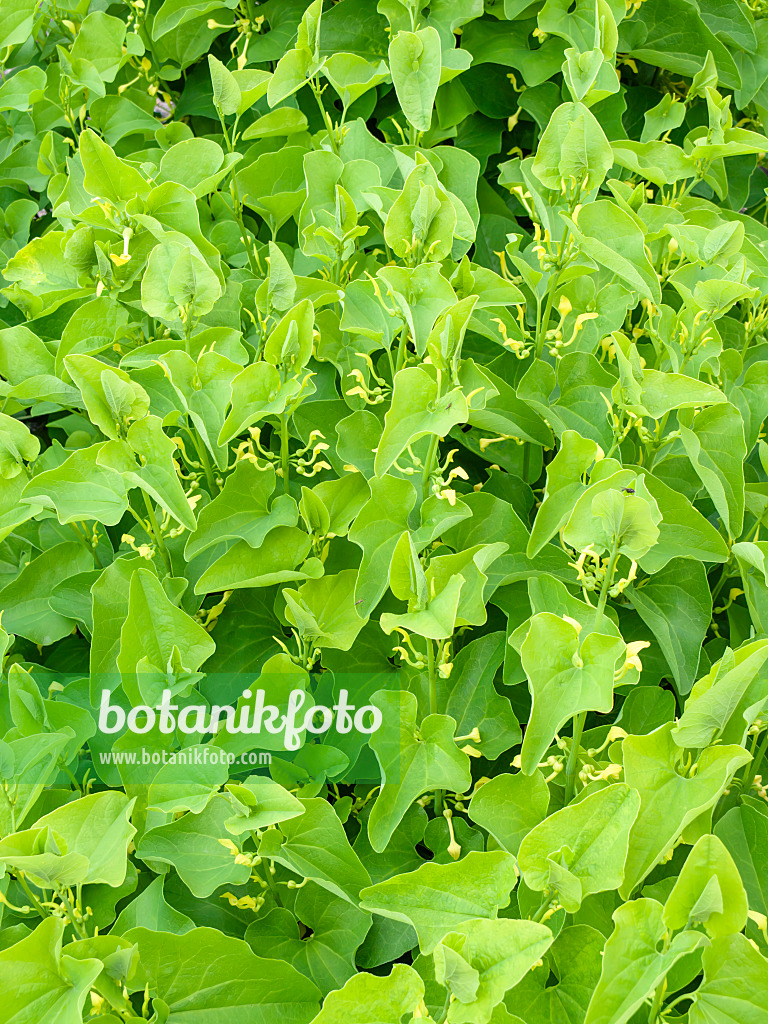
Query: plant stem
column 544, row 906
column 285, row 461
column 21, row 879
column 401, row 348
column 432, row 677
column 155, row 529
column 543, row 324
column 83, row 539
column 432, row 671
column 573, row 755
column 272, row 885
column 441, row 1017
column 658, row 999
column 428, row 466
column 751, row 767
column 11, row 806
column 78, row 926
column 202, row 454
column 580, row 719
column 317, row 93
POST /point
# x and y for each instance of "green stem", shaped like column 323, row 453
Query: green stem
column 72, row 778
column 543, row 324
column 429, row 466
column 317, row 93
column 573, row 755
column 725, row 575
column 544, row 906
column 202, row 454
column 607, row 581
column 431, row 669
column 658, row 999
column 155, row 530
column 238, row 204
column 580, row 719
column 285, row 452
column 21, row 879
column 401, row 348
column 79, row 927
column 442, row 1016
column 272, row 885
column 679, row 999
column 11, row 806
column 432, row 672
column 751, row 768
column 83, row 539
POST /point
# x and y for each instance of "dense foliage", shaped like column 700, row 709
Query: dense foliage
column 413, row 351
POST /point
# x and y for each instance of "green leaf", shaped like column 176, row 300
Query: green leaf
column 708, row 891
column 418, row 409
column 587, row 839
column 243, row 510
column 155, row 473
column 566, row 979
column 337, row 930
column 191, row 845
column 17, row 444
column 161, row 647
column 17, row 19
column 314, row 845
column 501, row 951
column 564, row 485
column 565, row 677
column 436, row 898
column 670, row 798
column 682, row 528
column 257, row 392
column 638, row 955
column 734, row 986
column 573, row 148
column 83, row 841
column 278, row 561
column 374, row 999
column 80, row 489
column 469, row 696
column 324, row 611
column 107, row 177
column 412, row 761
column 612, row 514
column 43, row 984
column 150, row 910
column 744, row 830
column 178, row 968
column 613, row 239
column 24, row 601
column 676, row 605
column 510, row 806
column 226, row 92
column 414, row 61
column 714, row 443
column 377, row 529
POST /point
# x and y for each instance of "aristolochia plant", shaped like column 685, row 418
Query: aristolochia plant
column 382, row 482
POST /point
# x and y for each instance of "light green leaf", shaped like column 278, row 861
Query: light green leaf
column 565, row 677
column 414, row 61
column 670, row 797
column 412, row 761
column 638, row 955
column 714, row 443
column 436, row 898
column 588, row 839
